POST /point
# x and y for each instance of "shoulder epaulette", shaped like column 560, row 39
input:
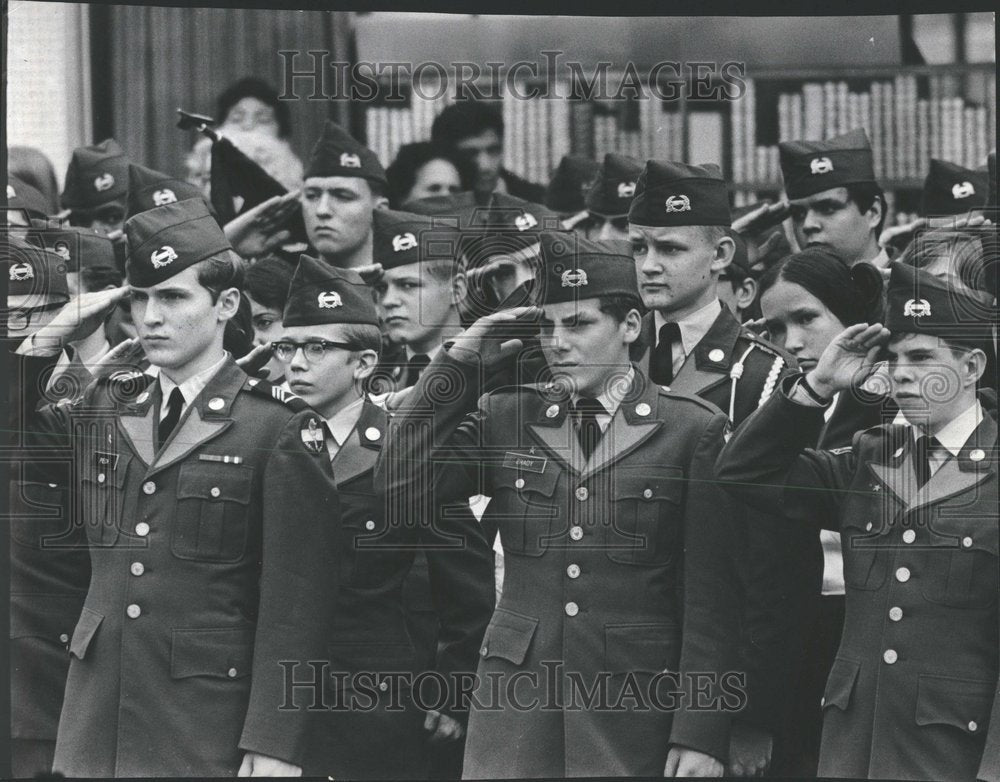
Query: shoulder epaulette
column 759, row 342
column 277, row 393
column 697, row 400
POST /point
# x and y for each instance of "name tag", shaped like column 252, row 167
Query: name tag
column 524, row 461
column 105, row 460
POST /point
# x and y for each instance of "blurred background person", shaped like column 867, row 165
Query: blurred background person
column 422, row 170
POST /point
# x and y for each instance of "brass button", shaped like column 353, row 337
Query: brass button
column 137, row 568
column 647, row 493
column 384, row 686
column 573, row 571
column 215, row 491
column 909, row 536
column 232, row 673
column 895, row 613
column 369, row 525
column 64, row 638
column 576, row 532
column 572, row 609
column 149, row 487
column 582, row 493
column 142, row 529
column 890, row 656
column 133, row 611
column 101, row 477
column 519, row 483
column 973, row 726
column 967, row 542
column 903, row 575
column 868, row 527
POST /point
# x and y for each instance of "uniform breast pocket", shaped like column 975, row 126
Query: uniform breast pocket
column 212, row 522
column 38, row 516
column 963, row 566
column 528, row 510
column 866, row 552
column 100, row 502
column 644, row 522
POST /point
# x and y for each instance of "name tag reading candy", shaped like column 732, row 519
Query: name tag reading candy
column 524, row 461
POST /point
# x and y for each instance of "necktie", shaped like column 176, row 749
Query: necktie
column 585, row 411
column 661, row 363
column 925, row 446
column 415, row 366
column 169, row 421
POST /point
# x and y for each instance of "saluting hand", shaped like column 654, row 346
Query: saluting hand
column 686, row 762
column 849, row 359
column 490, row 337
column 81, row 316
column 764, row 216
column 255, row 765
column 253, row 363
column 127, row 354
column 258, row 230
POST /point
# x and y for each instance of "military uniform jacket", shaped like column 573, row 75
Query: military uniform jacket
column 774, row 586
column 914, row 683
column 618, row 571
column 212, row 560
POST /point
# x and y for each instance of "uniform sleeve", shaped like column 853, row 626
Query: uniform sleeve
column 770, row 464
column 298, row 585
column 711, row 603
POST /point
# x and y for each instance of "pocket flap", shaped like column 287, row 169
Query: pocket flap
column 649, row 484
column 840, row 684
column 961, row 703
column 86, row 629
column 48, row 616
column 509, row 636
column 225, row 653
column 651, row 648
column 106, row 470
column 543, row 483
column 218, row 482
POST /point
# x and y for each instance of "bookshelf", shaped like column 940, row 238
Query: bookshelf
column 911, row 113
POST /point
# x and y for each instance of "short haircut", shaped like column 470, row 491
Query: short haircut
column 618, row 305
column 221, row 271
column 267, row 282
column 864, row 194
column 362, row 336
column 465, row 119
column 97, row 278
column 970, row 251
column 262, row 91
column 411, row 158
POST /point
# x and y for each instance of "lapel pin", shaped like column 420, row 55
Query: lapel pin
column 216, row 403
column 642, row 409
column 142, row 397
column 716, row 355
column 977, row 455
column 372, row 433
column 252, row 382
column 552, row 411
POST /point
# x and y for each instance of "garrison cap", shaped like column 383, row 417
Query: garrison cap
column 402, row 238
column 506, row 225
column 80, row 248
column 320, row 293
column 574, row 268
column 96, row 175
column 36, row 276
column 21, row 195
column 918, row 302
column 670, row 194
column 168, row 239
column 338, row 153
column 454, row 209
column 148, row 189
column 611, row 193
column 810, row 167
column 571, row 180
column 950, row 189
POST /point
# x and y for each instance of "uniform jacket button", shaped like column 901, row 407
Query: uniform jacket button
column 573, row 571
column 519, row 483
column 484, row 651
column 576, row 532
column 973, row 726
column 142, row 529
column 890, row 656
column 101, row 477
column 647, row 493
column 133, row 611
column 895, row 613
column 572, row 609
column 868, row 527
column 384, row 686
column 137, row 569
column 582, row 493
column 64, row 639
column 232, row 673
column 149, row 487
column 967, row 542
column 369, row 525
column 909, row 536
column 214, row 491
column 903, row 575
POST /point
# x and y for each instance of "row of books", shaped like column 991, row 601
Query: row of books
column 906, row 131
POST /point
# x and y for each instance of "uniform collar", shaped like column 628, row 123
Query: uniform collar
column 430, row 353
column 694, row 327
column 342, row 423
column 957, row 431
column 613, row 394
column 193, row 386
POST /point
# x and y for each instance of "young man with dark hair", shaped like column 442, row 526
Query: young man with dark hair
column 343, row 184
column 833, row 196
column 97, row 187
column 213, row 524
column 330, row 342
column 914, row 691
column 475, row 129
column 595, row 480
column 266, row 288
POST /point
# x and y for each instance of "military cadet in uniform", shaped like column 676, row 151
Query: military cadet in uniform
column 611, row 194
column 913, row 692
column 834, row 197
column 148, row 189
column 570, row 183
column 344, row 183
column 97, row 187
column 951, row 189
column 330, row 341
column 679, row 223
column 619, row 571
column 212, row 519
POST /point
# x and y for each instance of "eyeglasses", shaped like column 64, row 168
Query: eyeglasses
column 314, row 349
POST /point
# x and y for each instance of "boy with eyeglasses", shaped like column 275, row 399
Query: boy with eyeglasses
column 330, row 345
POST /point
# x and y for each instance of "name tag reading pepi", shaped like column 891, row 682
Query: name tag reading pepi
column 524, row 461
